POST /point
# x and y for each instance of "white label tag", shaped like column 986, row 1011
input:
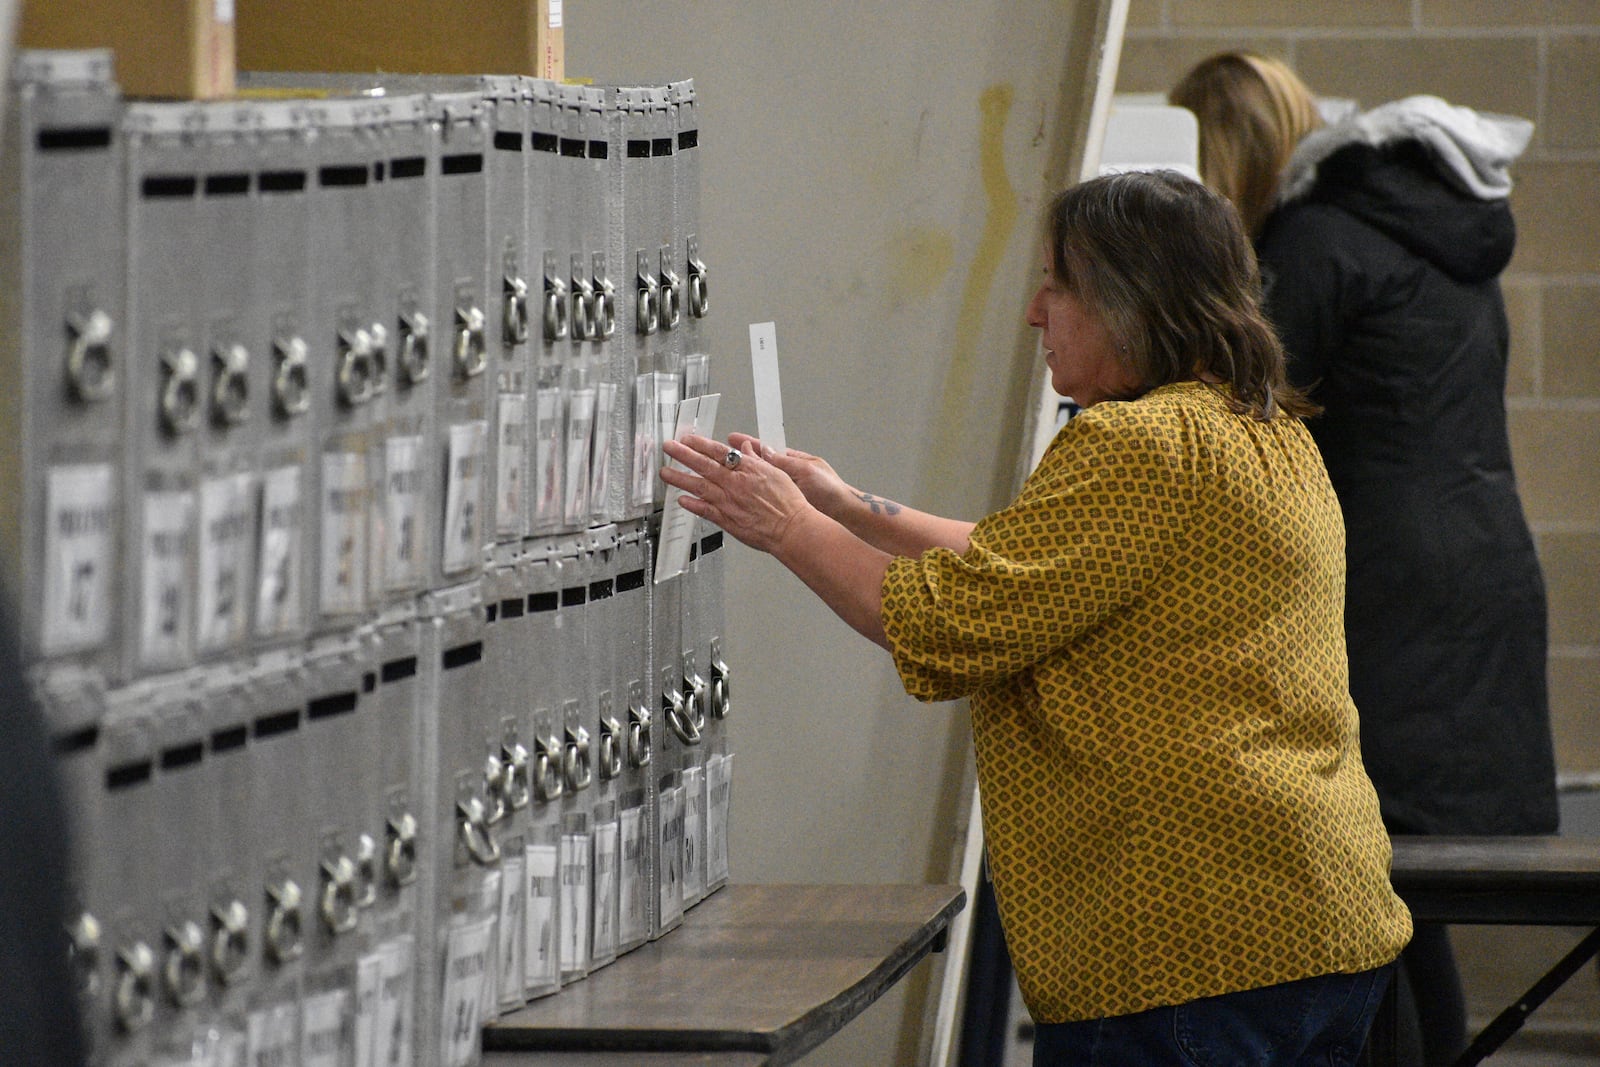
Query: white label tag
column 580, row 428
column 575, row 890
column 325, row 1040
column 396, row 1007
column 274, row 1035
column 605, row 403
column 541, row 961
column 463, row 497
column 605, row 889
column 227, row 526
column 694, row 825
column 369, row 995
column 79, row 539
column 671, row 875
column 223, row 1048
column 342, row 589
column 668, row 393
column 467, row 949
column 633, row 888
column 555, row 14
column 490, row 900
column 696, row 373
column 165, row 622
column 642, row 492
column 696, row 415
column 547, row 458
column 511, row 467
column 769, row 393
column 719, row 787
column 513, row 895
column 278, row 566
column 402, row 512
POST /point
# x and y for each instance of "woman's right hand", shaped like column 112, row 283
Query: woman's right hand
column 821, row 484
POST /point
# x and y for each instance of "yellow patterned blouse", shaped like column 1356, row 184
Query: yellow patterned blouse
column 1152, row 639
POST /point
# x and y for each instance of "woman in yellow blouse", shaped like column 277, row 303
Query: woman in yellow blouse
column 1186, row 851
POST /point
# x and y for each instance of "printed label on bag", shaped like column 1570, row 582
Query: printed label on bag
column 402, row 512
column 467, row 949
column 79, row 542
column 580, row 429
column 541, row 959
column 510, row 965
column 576, row 882
column 633, row 888
column 325, row 1040
column 343, row 586
column 227, row 530
column 605, row 404
column 164, row 625
column 606, row 874
column 463, row 521
column 511, row 467
column 548, row 415
column 279, row 562
column 694, row 809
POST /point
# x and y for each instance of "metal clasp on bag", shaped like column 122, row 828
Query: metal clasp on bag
column 555, row 300
column 699, row 281
column 91, row 372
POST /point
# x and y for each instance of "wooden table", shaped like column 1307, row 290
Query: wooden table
column 757, row 974
column 1519, row 881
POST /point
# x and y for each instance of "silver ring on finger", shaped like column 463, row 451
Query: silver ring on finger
column 731, row 460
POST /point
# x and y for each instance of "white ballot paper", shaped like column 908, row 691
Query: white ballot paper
column 698, row 415
column 769, row 396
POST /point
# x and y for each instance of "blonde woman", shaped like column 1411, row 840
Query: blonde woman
column 1381, row 240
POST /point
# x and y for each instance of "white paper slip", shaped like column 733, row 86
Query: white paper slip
column 696, row 415
column 769, row 394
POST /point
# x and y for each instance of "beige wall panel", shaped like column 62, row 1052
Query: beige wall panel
column 1572, row 108
column 1571, row 563
column 1571, row 329
column 1558, row 217
column 1485, row 73
column 1554, row 452
column 1142, row 13
column 1154, row 64
column 1520, row 15
column 1523, row 300
column 1574, row 695
column 1304, row 13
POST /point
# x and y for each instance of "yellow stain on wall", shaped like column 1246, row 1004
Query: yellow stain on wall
column 999, row 224
column 920, row 259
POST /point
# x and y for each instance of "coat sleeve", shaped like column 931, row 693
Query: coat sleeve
column 1091, row 528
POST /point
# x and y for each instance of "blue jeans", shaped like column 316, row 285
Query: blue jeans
column 1316, row 1021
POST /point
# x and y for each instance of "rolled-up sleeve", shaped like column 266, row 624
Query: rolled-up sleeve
column 1091, row 528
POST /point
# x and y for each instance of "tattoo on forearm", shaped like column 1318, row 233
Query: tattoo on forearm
column 878, row 504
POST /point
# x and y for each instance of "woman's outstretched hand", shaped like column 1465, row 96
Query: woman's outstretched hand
column 822, row 486
column 753, row 499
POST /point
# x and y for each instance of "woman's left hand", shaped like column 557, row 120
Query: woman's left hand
column 746, row 496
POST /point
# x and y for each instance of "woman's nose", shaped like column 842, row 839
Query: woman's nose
column 1036, row 309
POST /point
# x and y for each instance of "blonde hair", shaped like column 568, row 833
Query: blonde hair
column 1252, row 111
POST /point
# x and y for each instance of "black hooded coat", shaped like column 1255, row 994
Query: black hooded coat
column 1383, row 281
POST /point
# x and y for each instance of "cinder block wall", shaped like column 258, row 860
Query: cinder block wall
column 1540, row 60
